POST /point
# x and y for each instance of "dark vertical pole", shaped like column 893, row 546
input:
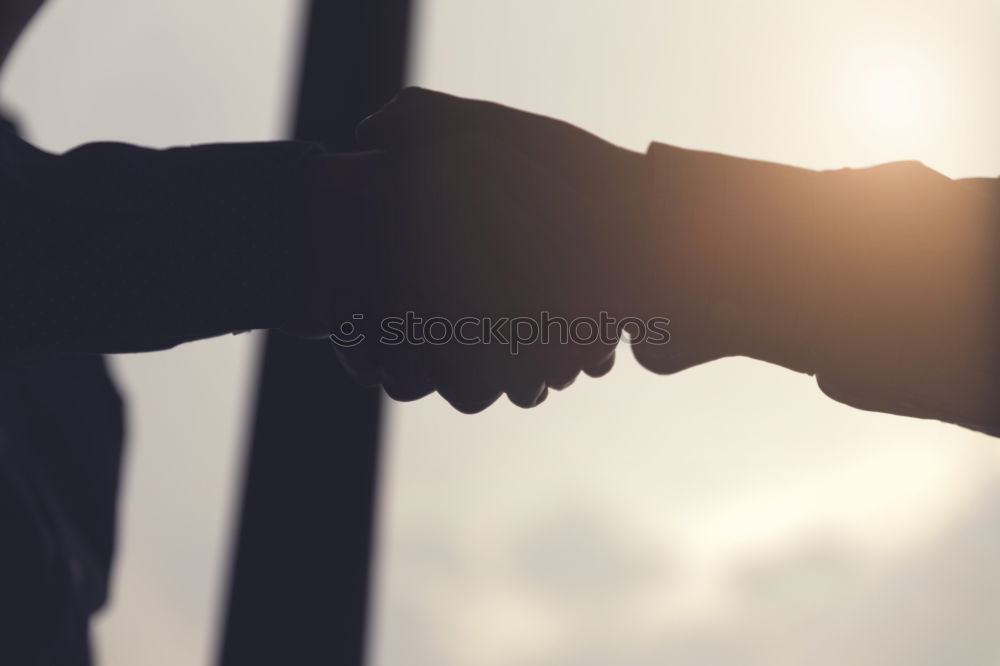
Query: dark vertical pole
column 299, row 585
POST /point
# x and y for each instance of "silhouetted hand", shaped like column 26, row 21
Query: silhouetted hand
column 830, row 273
column 619, row 185
column 476, row 225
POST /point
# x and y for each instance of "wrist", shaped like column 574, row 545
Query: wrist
column 632, row 260
column 743, row 265
column 336, row 251
column 699, row 253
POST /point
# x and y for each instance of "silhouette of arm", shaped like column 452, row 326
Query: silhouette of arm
column 116, row 248
column 883, row 282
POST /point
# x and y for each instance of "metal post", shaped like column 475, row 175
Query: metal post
column 299, row 584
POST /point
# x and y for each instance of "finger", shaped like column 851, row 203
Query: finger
column 359, row 364
column 601, row 367
column 460, row 403
column 461, row 379
column 550, row 359
column 407, row 391
column 403, row 376
column 562, row 375
column 465, row 391
column 528, row 394
column 520, row 375
column 667, row 359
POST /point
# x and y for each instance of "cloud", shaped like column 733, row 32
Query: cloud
column 577, row 556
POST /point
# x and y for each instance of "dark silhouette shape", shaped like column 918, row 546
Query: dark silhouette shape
column 882, row 282
column 60, row 450
column 300, row 579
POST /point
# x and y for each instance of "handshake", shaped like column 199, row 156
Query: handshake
column 486, row 251
column 494, row 252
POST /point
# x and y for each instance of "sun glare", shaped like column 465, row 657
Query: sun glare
column 895, row 96
column 892, row 99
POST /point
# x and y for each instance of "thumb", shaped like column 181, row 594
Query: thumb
column 664, row 360
column 412, row 116
column 417, row 115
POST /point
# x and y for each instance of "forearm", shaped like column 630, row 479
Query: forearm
column 887, row 277
column 114, row 248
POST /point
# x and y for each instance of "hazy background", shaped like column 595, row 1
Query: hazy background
column 729, row 515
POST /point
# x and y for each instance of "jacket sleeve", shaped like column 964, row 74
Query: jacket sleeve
column 116, row 248
column 884, row 282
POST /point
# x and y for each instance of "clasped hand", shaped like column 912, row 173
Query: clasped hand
column 495, row 230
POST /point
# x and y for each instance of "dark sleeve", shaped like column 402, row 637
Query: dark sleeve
column 884, row 282
column 115, row 248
